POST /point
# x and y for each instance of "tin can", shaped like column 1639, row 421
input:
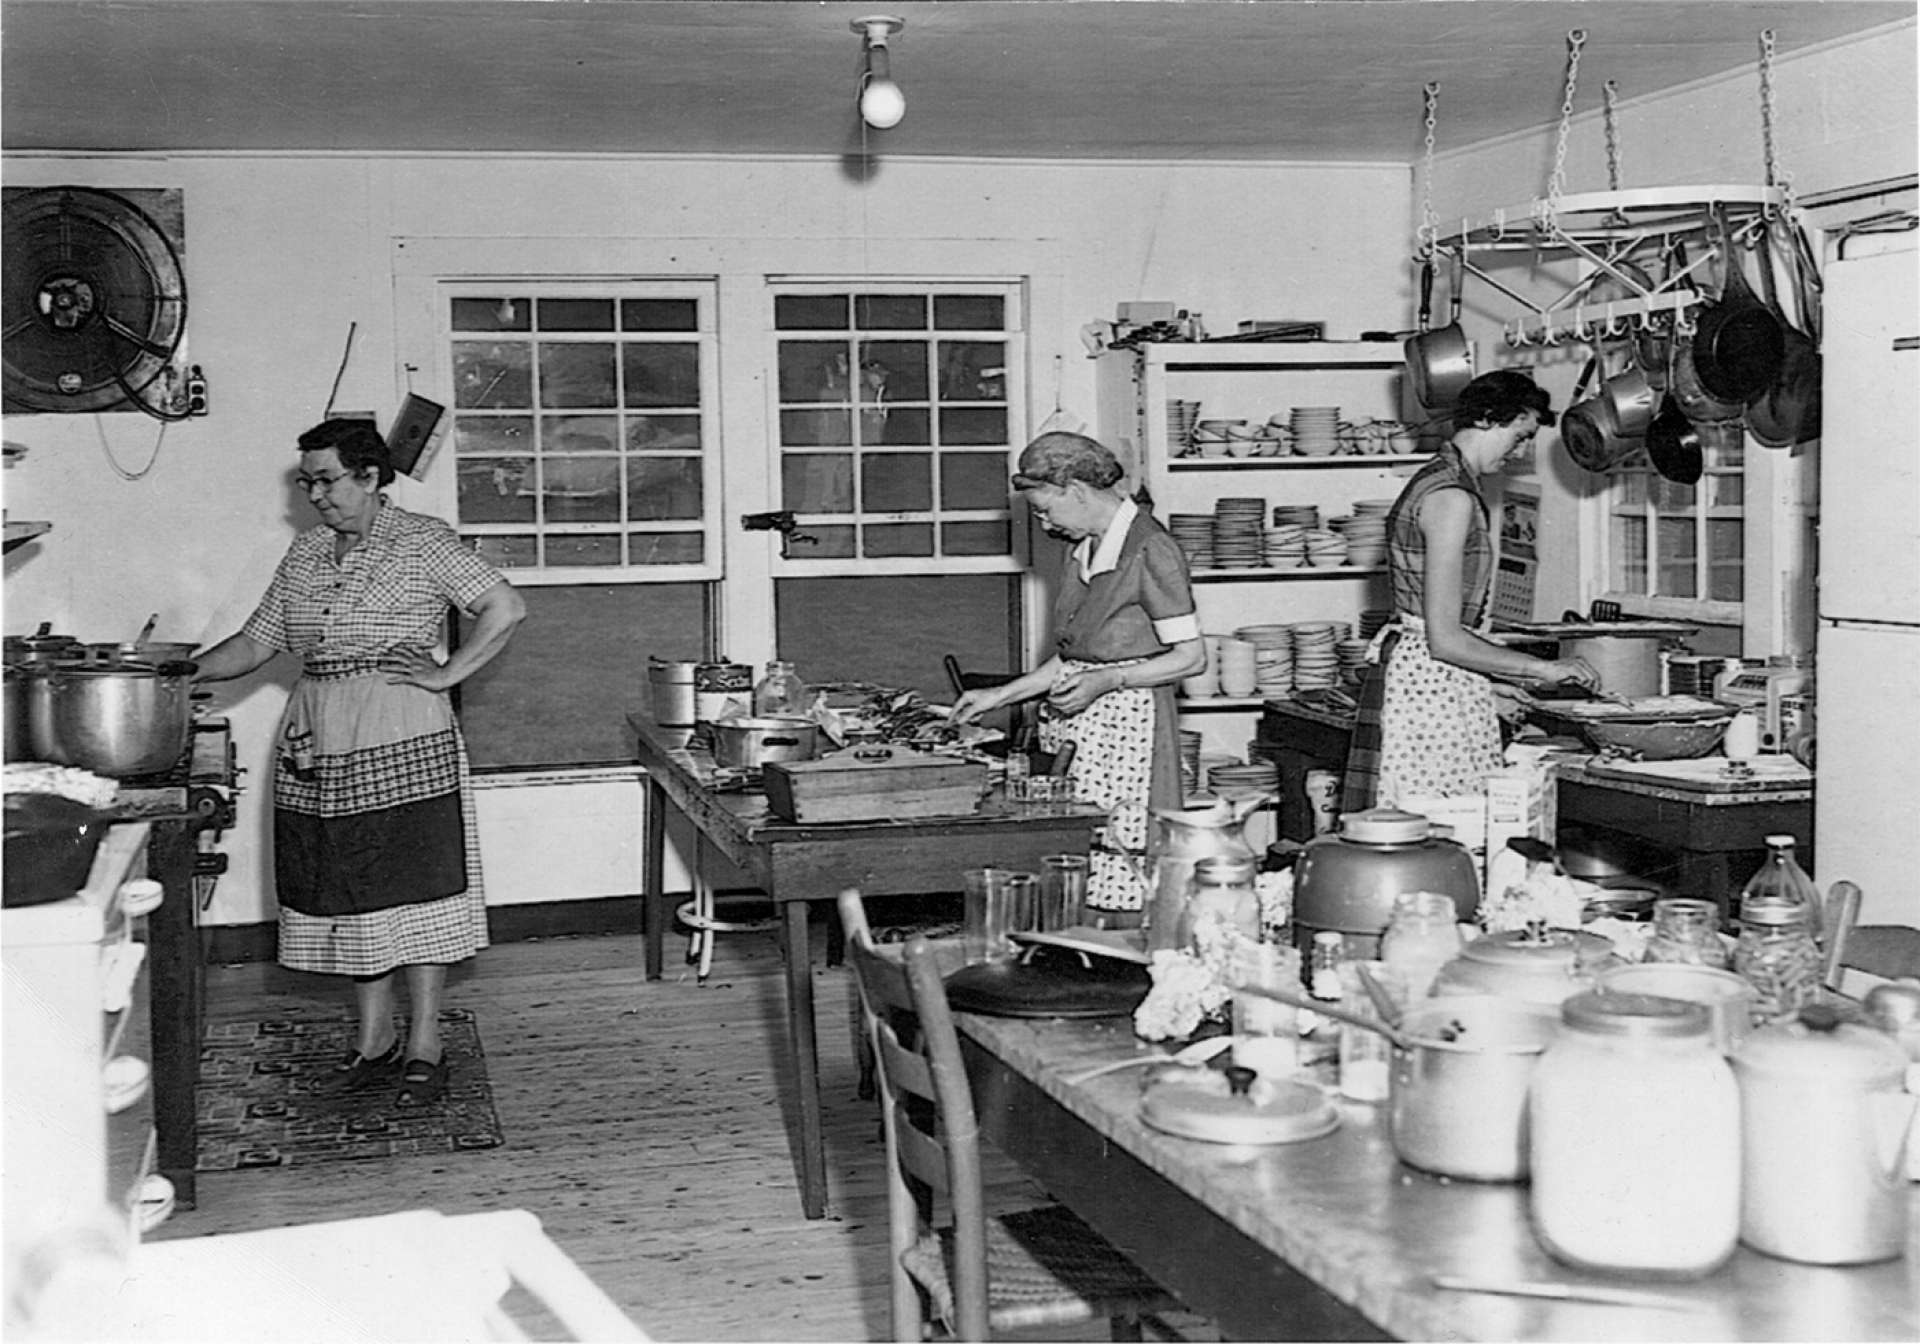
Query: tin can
column 720, row 689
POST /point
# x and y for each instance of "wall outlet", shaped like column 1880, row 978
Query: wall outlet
column 196, row 391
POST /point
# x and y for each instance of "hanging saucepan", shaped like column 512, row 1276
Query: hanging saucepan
column 1673, row 444
column 1630, row 402
column 1439, row 363
column 1787, row 411
column 1583, row 427
column 1738, row 345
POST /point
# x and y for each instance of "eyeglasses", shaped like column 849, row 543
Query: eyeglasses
column 326, row 483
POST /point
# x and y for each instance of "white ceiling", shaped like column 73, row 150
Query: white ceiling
column 1302, row 80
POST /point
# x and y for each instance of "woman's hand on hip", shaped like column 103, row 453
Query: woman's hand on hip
column 1073, row 691
column 415, row 667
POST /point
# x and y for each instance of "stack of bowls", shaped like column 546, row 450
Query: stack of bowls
column 1286, row 547
column 1372, row 619
column 1366, row 535
column 1237, row 543
column 1353, row 659
column 1238, row 780
column 1316, row 430
column 1316, row 666
column 1182, row 417
column 1193, row 534
column 1326, row 549
column 1211, row 437
column 1244, row 440
column 1190, row 756
column 1272, row 658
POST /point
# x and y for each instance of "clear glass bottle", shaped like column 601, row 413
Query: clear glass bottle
column 780, row 694
column 1777, row 955
column 1686, row 932
column 1221, row 891
column 1668, row 1202
column 1323, row 967
column 1422, row 935
column 1782, row 877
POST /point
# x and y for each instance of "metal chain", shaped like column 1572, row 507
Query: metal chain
column 1429, row 221
column 1612, row 92
column 1776, row 175
column 1557, row 184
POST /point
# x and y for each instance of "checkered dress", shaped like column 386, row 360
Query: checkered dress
column 376, row 856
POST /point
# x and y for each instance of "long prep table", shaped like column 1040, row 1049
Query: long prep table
column 797, row 865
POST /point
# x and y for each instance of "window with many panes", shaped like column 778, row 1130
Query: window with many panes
column 583, row 432
column 897, row 414
column 1684, row 542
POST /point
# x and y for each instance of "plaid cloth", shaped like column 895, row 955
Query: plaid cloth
column 1362, row 782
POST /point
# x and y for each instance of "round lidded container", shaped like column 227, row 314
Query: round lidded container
column 1546, row 968
column 1348, row 881
column 1667, row 1203
column 1825, row 1114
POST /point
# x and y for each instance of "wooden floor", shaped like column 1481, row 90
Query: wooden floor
column 646, row 1125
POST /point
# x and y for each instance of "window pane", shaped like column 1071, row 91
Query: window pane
column 664, row 487
column 896, row 482
column 498, row 314
column 662, row 374
column 894, row 629
column 1727, row 492
column 1726, row 554
column 573, row 548
column 903, row 425
column 576, row 314
column 580, row 490
column 660, row 314
column 973, row 371
column 817, row 482
column 808, row 429
column 973, row 480
column 496, row 489
column 890, row 312
column 884, row 539
column 1678, row 577
column 978, row 424
column 834, row 541
column 492, row 434
column 507, row 552
column 984, row 538
column 653, row 432
column 578, row 433
column 810, row 312
column 895, row 370
column 666, row 548
column 492, row 375
column 577, row 374
column 969, row 312
column 1629, row 547
column 814, row 371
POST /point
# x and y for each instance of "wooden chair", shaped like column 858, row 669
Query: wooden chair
column 1032, row 1269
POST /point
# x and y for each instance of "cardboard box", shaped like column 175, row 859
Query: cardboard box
column 1521, row 800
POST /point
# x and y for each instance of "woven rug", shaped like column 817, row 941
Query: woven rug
column 259, row 1101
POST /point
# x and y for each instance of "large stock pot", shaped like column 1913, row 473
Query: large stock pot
column 115, row 719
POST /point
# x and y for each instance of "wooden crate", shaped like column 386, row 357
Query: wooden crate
column 864, row 785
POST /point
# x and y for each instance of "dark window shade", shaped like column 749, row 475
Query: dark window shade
column 561, row 691
column 894, row 631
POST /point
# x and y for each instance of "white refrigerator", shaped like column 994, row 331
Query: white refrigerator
column 1867, row 779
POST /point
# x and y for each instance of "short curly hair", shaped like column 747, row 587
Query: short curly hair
column 356, row 441
column 1500, row 398
column 1059, row 458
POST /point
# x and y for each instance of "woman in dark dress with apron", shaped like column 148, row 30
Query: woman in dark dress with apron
column 1427, row 725
column 1124, row 631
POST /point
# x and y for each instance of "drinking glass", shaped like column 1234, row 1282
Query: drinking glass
column 1366, row 1060
column 998, row 901
column 1063, row 891
column 1040, row 793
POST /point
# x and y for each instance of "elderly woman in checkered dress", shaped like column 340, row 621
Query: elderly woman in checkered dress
column 376, row 859
column 1124, row 630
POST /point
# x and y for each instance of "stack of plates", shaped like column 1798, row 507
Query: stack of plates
column 1240, row 781
column 1372, row 619
column 1363, row 507
column 1366, row 535
column 1325, row 549
column 1272, row 658
column 1316, row 430
column 1316, row 663
column 1193, row 534
column 1287, row 547
column 1296, row 515
column 1181, row 418
column 1237, row 543
column 1353, row 658
column 1190, row 757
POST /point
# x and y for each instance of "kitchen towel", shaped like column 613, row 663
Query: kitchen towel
column 261, row 1102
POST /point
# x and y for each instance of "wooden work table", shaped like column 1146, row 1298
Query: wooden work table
column 798, row 865
column 1334, row 1238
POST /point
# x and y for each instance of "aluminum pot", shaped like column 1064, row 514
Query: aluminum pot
column 748, row 744
column 671, row 685
column 17, row 745
column 1439, row 362
column 1460, row 1079
column 113, row 719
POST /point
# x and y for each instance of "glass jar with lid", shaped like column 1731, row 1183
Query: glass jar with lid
column 780, row 693
column 1782, row 878
column 1221, row 894
column 1666, row 1204
column 1777, row 955
column 1686, row 932
column 1422, row 936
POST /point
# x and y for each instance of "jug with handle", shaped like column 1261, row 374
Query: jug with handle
column 1181, row 837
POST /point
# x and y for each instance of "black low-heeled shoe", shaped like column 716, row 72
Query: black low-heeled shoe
column 421, row 1083
column 357, row 1073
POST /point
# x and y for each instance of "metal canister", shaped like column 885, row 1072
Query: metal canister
column 671, row 686
column 720, row 689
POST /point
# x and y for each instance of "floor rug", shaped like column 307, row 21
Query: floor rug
column 260, row 1103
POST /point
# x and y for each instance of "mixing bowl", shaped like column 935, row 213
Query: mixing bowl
column 1658, row 739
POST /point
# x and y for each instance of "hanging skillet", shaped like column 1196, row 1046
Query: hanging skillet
column 1673, row 444
column 1787, row 411
column 1738, row 346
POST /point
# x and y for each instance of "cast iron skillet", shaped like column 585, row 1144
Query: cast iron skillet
column 1787, row 411
column 1738, row 346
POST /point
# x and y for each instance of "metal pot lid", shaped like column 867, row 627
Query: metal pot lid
column 1384, row 826
column 1279, row 1110
column 1818, row 1046
column 1636, row 1016
column 1558, row 948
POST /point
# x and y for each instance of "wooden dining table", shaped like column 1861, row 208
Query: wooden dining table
column 1333, row 1238
column 799, row 865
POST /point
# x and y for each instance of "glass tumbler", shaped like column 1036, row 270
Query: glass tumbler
column 987, row 914
column 1063, row 891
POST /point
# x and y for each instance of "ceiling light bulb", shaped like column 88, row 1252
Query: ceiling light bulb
column 882, row 104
